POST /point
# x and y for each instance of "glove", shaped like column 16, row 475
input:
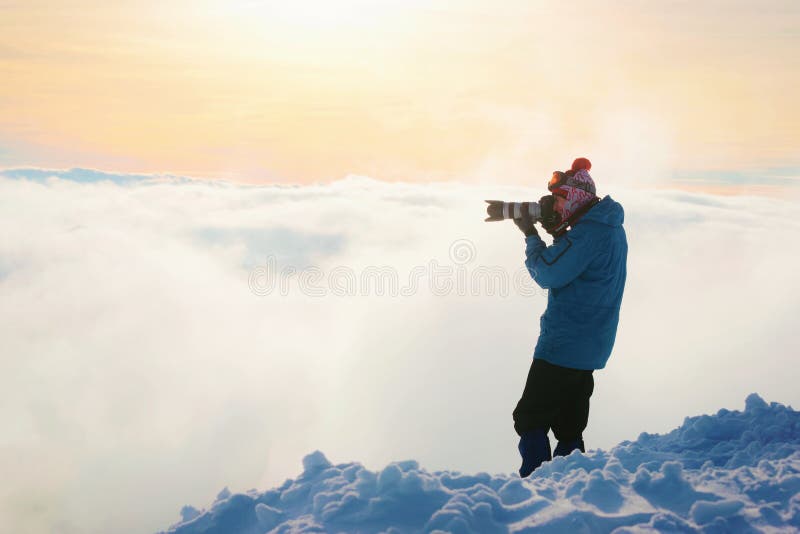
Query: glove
column 525, row 224
column 550, row 219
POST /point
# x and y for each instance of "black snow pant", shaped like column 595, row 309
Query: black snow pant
column 555, row 398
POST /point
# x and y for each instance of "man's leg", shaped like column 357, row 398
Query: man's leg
column 538, row 406
column 534, row 414
column 573, row 416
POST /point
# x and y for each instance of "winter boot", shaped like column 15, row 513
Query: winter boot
column 534, row 447
column 564, row 448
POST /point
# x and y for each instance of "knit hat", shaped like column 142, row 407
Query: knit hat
column 577, row 188
column 581, row 163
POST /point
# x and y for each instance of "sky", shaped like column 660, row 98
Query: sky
column 298, row 92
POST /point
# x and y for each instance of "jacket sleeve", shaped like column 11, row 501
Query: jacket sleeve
column 560, row 263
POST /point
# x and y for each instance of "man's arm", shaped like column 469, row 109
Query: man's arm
column 560, row 263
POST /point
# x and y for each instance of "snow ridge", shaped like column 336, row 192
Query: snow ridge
column 733, row 471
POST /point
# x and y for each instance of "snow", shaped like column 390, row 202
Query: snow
column 732, row 471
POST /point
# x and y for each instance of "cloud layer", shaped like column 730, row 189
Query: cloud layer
column 138, row 361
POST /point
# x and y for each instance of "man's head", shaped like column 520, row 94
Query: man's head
column 572, row 189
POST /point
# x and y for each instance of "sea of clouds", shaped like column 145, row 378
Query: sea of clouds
column 148, row 360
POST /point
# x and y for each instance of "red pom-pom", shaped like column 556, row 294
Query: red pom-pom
column 581, row 163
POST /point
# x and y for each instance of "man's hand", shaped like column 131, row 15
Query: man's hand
column 550, row 219
column 525, row 223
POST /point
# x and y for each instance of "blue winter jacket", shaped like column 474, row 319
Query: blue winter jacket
column 585, row 272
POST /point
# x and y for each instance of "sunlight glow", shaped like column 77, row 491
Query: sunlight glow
column 310, row 90
column 319, row 15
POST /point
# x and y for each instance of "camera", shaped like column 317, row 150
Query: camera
column 499, row 210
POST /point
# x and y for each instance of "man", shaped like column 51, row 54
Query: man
column 584, row 270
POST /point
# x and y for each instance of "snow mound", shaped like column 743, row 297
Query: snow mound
column 733, row 471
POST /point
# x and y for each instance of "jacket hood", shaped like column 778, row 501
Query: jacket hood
column 607, row 211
